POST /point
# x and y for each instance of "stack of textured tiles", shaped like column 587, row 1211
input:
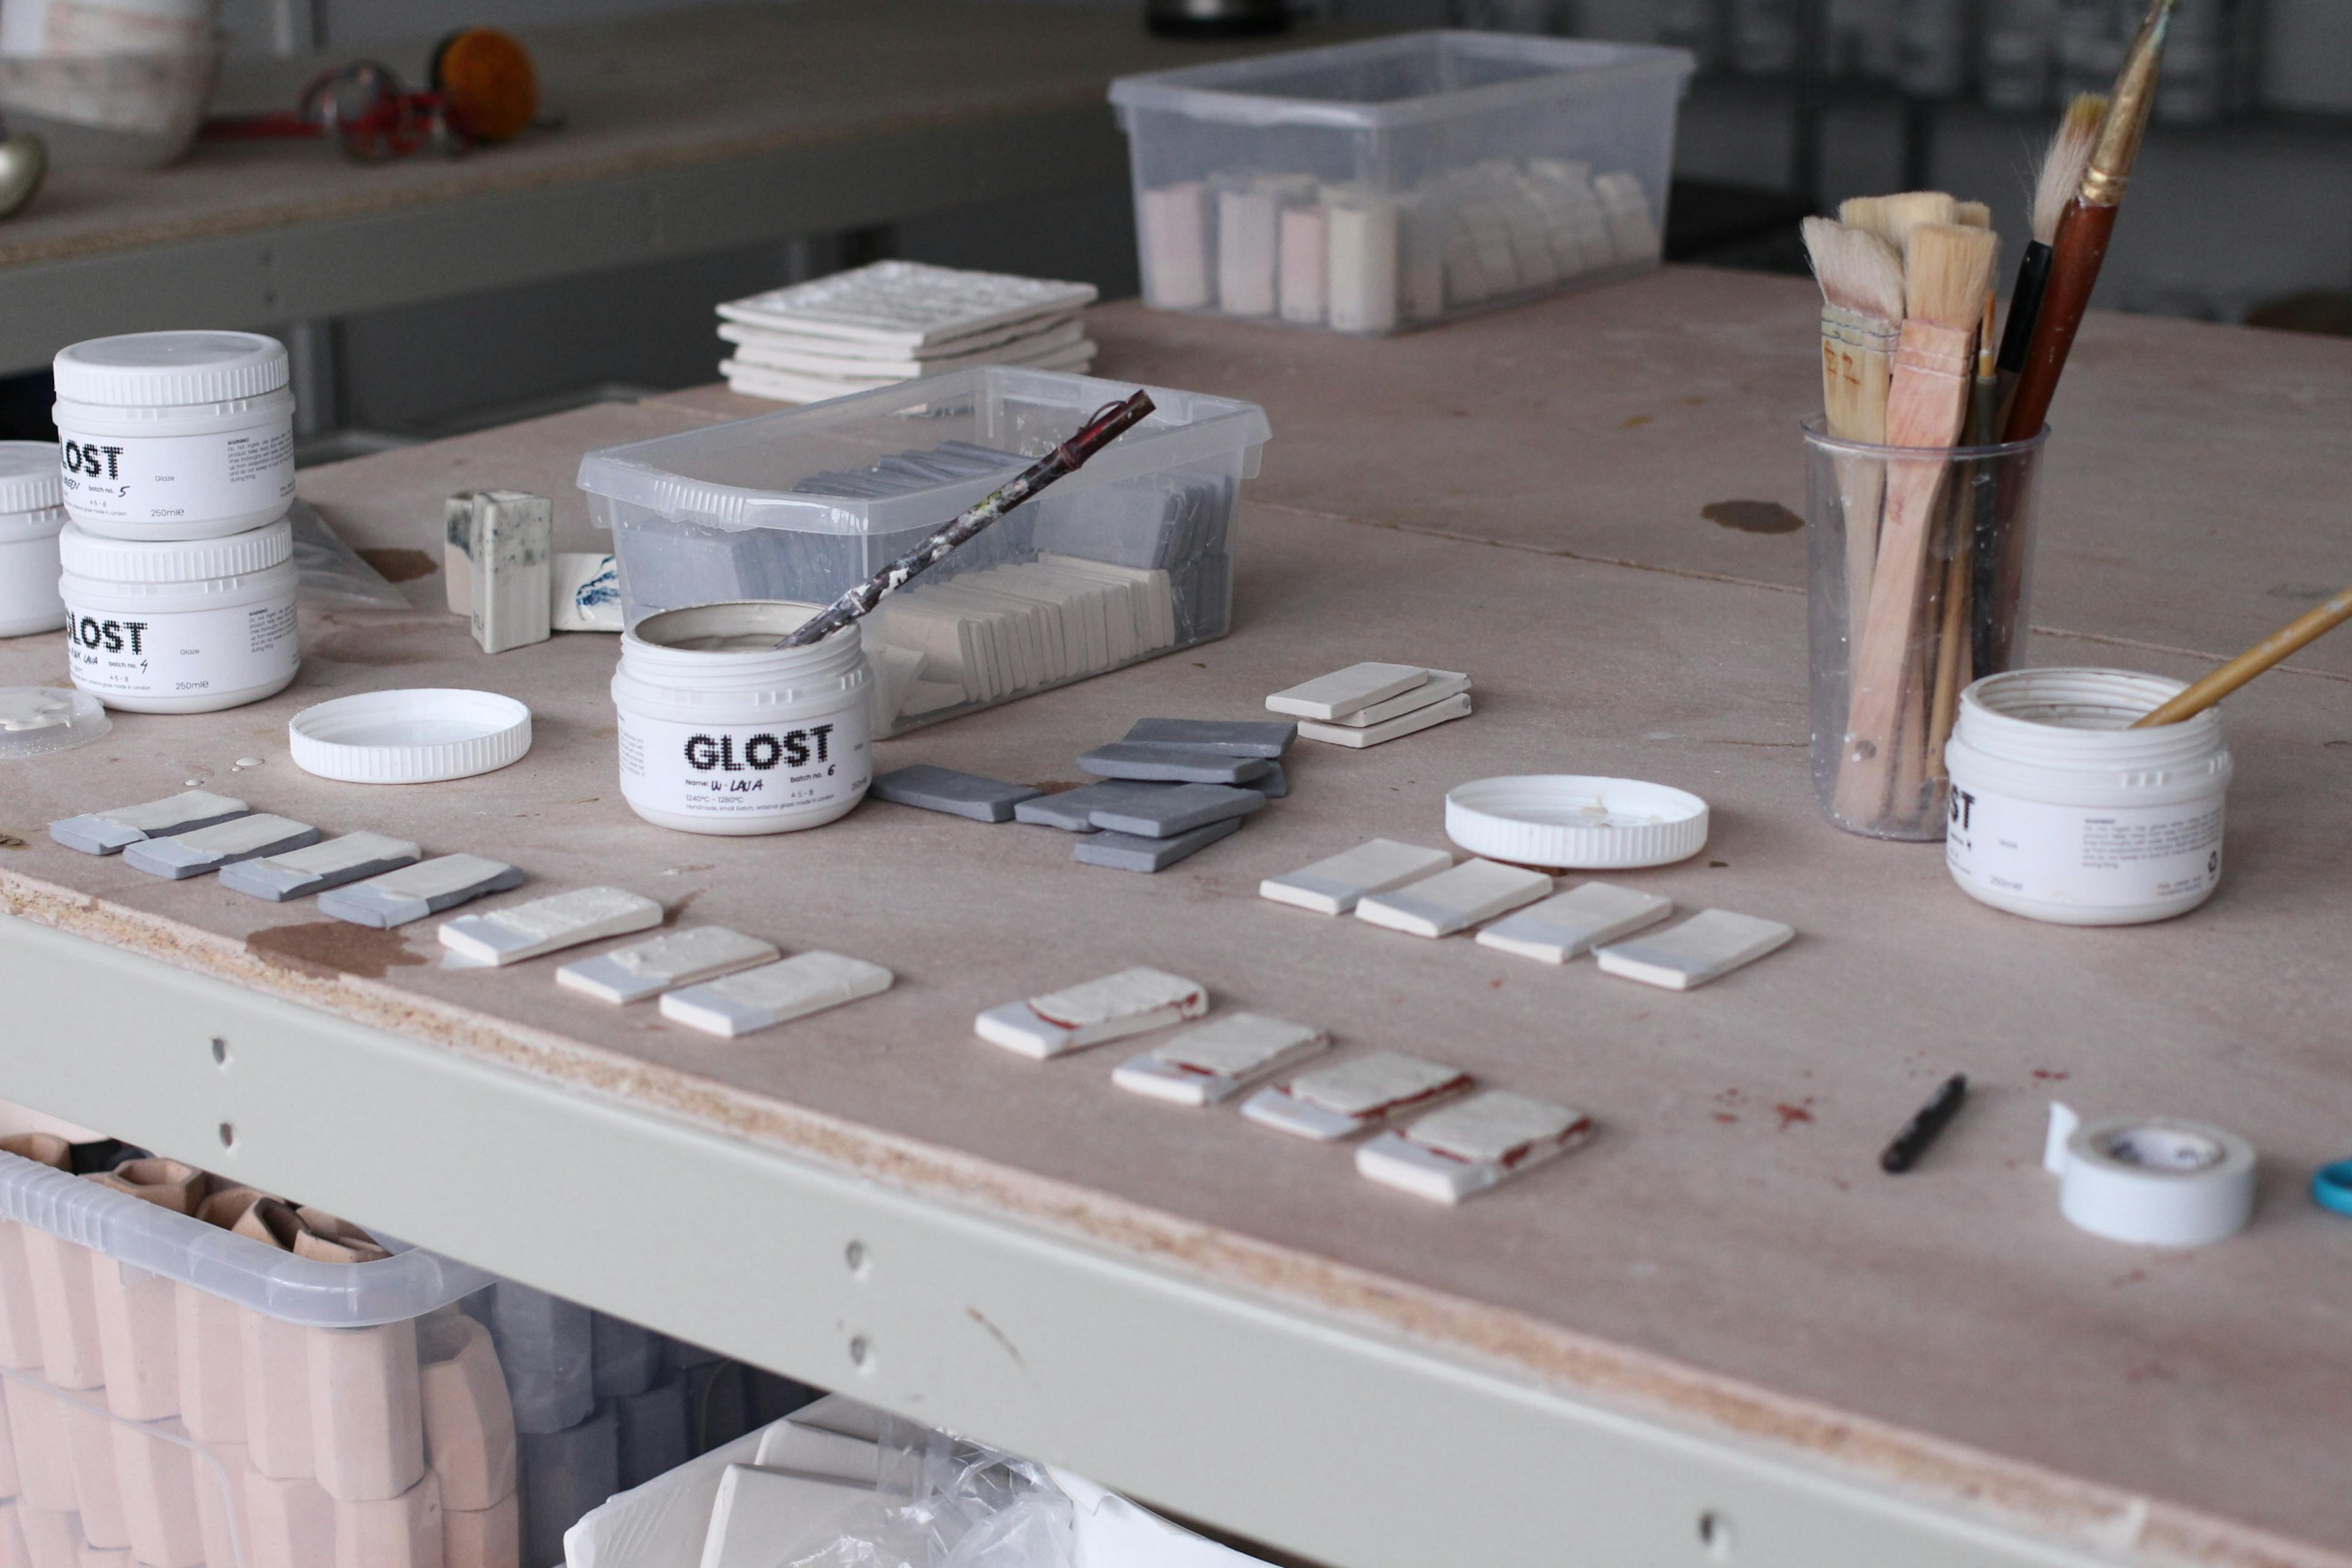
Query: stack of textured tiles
column 896, row 321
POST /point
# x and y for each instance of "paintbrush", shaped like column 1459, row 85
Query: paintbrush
column 2085, row 227
column 1946, row 275
column 2274, row 649
column 1893, row 218
column 1862, row 322
column 1107, row 423
column 2064, row 165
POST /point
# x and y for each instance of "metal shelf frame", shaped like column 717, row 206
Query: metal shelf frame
column 1353, row 1447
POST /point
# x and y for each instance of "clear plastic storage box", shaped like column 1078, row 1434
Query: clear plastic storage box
column 174, row 1394
column 1373, row 186
column 1125, row 560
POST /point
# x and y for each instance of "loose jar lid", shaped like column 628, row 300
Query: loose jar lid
column 35, row 720
column 140, row 369
column 419, row 736
column 29, row 477
column 87, row 555
column 1569, row 819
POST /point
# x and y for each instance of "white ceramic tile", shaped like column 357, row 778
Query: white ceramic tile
column 1217, row 1060
column 1352, row 1097
column 415, row 891
column 1441, row 685
column 1587, row 916
column 204, row 849
column 646, row 969
column 910, row 303
column 299, row 873
column 1345, row 692
column 1473, row 1144
column 1129, row 1002
column 1707, row 946
column 514, row 568
column 754, row 999
column 548, row 925
column 1437, row 713
column 1331, row 886
column 1454, row 901
column 104, row 832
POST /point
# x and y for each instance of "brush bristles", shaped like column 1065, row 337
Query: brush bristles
column 1947, row 272
column 1867, row 213
column 1914, row 210
column 1972, row 215
column 2064, row 165
column 1859, row 272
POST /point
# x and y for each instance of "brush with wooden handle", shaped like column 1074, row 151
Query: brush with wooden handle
column 2274, row 649
column 2085, row 227
column 2063, row 164
column 1862, row 322
column 1946, row 275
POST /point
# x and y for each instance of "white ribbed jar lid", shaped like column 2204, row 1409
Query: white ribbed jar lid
column 419, row 736
column 1574, row 820
column 175, row 560
column 147, row 369
column 29, row 477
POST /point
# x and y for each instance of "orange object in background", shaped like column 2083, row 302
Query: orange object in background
column 487, row 78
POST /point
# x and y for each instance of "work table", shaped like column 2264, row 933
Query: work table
column 1937, row 1363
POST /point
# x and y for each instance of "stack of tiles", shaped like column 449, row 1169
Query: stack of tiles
column 1366, row 704
column 898, row 320
column 1171, row 788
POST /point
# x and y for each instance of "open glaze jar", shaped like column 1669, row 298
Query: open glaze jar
column 722, row 731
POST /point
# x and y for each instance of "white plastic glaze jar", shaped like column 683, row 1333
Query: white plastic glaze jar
column 176, row 434
column 722, row 731
column 2062, row 811
column 30, row 519
column 181, row 625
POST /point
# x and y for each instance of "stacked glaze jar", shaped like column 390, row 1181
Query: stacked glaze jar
column 176, row 468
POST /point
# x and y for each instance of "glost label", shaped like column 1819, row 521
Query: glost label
column 741, row 770
column 2092, row 857
column 163, row 478
column 183, row 653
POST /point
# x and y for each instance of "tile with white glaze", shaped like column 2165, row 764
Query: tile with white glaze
column 1707, row 946
column 1132, row 1002
column 754, row 999
column 1333, row 885
column 1218, row 1060
column 549, row 924
column 643, row 969
column 1454, row 900
column 1473, row 1144
column 1348, row 690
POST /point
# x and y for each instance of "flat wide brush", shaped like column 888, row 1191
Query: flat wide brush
column 1946, row 276
column 1862, row 322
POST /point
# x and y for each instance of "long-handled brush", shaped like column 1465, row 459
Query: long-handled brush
column 2062, row 166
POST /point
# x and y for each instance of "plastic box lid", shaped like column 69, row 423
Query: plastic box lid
column 409, row 1284
column 1409, row 78
column 738, row 475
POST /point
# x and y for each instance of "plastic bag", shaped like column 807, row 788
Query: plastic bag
column 333, row 576
column 969, row 1506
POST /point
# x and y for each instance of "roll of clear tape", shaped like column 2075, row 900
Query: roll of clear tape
column 2156, row 1181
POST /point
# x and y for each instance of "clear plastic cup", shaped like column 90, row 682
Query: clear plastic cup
column 1937, row 541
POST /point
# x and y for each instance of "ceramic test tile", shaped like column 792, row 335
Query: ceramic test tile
column 1219, row 1058
column 1234, row 738
column 1707, row 946
column 1442, row 684
column 643, row 969
column 1589, row 915
column 1171, row 764
column 1455, row 707
column 415, row 891
column 1454, row 901
column 299, row 873
column 1172, row 809
column 1344, row 691
column 1127, row 852
column 1072, row 810
column 1332, row 886
column 774, row 994
column 206, row 850
column 1132, row 1002
column 1473, row 1144
column 549, row 924
column 944, row 789
column 105, row 832
column 1370, row 1091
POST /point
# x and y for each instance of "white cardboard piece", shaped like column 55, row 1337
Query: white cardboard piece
column 1454, row 901
column 1332, row 886
column 549, row 924
column 643, row 969
column 1218, row 1060
column 1589, row 915
column 1707, row 946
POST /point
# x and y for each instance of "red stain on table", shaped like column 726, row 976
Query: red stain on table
column 1792, row 1114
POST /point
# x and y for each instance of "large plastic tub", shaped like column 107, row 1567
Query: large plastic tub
column 1373, row 186
column 1122, row 561
column 178, row 1395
